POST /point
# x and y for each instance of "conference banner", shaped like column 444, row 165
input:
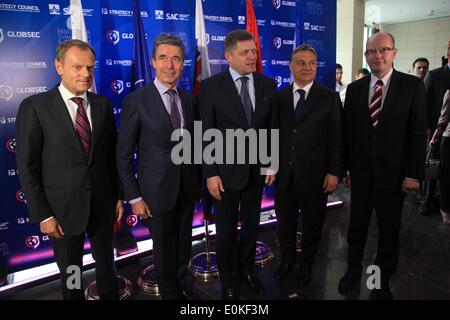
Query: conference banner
column 31, row 30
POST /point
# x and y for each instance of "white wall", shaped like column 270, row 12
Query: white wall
column 425, row 38
column 349, row 36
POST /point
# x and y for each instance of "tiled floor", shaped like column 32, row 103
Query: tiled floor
column 423, row 273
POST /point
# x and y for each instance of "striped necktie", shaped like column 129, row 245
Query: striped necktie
column 375, row 103
column 246, row 100
column 82, row 126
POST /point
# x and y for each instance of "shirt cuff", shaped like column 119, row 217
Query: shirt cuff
column 412, row 179
column 133, row 201
column 47, row 219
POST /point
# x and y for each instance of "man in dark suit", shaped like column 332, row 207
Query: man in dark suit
column 385, row 139
column 164, row 192
column 66, row 140
column 238, row 98
column 436, row 83
column 311, row 154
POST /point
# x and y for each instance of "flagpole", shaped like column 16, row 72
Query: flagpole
column 79, row 28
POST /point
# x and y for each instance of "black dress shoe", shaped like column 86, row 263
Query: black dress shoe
column 304, row 275
column 230, row 294
column 283, row 269
column 350, row 281
column 381, row 294
column 255, row 283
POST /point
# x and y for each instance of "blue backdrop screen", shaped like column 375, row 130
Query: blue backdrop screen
column 31, row 30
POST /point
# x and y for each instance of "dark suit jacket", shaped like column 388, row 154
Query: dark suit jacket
column 436, row 83
column 312, row 145
column 221, row 108
column 396, row 148
column 56, row 176
column 145, row 123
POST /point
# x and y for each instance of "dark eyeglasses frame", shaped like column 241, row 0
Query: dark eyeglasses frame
column 381, row 51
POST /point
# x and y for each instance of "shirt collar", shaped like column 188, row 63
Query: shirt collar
column 162, row 89
column 385, row 79
column 67, row 95
column 235, row 75
column 295, row 87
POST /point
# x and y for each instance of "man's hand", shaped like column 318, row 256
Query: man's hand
column 347, row 181
column 410, row 185
column 270, row 176
column 141, row 209
column 119, row 210
column 330, row 183
column 215, row 187
column 52, row 228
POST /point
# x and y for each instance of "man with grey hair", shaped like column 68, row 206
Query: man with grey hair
column 238, row 98
column 311, row 160
column 66, row 140
column 164, row 192
column 385, row 138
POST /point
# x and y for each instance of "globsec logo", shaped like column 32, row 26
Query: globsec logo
column 32, row 242
column 117, row 86
column 112, row 36
column 241, row 19
column 276, row 4
column 159, row 14
column 6, row 92
column 207, row 38
column 54, row 9
column 11, row 145
column 278, row 80
column 1, row 35
column 276, row 41
column 132, row 220
column 20, row 196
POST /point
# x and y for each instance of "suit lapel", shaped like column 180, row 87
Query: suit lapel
column 155, row 100
column 388, row 102
column 310, row 102
column 364, row 97
column 59, row 109
column 184, row 106
column 230, row 91
column 259, row 94
column 287, row 104
column 96, row 123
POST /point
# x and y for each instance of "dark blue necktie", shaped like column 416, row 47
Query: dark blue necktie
column 245, row 99
column 300, row 102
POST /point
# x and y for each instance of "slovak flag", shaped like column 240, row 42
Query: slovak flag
column 79, row 28
column 202, row 69
column 252, row 27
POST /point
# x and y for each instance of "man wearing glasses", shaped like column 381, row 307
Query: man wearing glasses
column 386, row 137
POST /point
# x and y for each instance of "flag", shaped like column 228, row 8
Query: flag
column 202, row 69
column 252, row 27
column 298, row 38
column 141, row 73
column 79, row 28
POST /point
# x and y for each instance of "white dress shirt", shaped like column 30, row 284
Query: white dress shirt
column 251, row 84
column 296, row 95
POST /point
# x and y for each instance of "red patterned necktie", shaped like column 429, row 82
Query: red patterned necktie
column 82, row 126
column 375, row 103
